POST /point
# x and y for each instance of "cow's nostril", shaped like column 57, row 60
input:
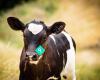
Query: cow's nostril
column 34, row 57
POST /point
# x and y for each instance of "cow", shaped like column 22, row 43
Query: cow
column 58, row 54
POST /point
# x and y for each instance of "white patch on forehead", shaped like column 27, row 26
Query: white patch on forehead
column 35, row 28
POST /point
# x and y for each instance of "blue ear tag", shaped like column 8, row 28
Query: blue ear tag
column 40, row 50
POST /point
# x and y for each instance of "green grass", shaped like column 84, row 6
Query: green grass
column 85, row 72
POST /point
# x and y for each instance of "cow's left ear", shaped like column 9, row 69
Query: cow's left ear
column 57, row 27
column 15, row 23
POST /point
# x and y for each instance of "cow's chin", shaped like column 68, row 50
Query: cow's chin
column 36, row 61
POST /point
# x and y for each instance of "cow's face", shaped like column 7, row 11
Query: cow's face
column 35, row 33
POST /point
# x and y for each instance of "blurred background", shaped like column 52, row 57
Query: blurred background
column 82, row 18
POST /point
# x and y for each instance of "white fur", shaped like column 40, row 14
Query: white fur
column 35, row 28
column 51, row 36
column 52, row 78
column 70, row 58
column 54, row 42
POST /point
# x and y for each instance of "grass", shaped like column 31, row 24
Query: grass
column 88, row 65
column 9, row 61
column 85, row 72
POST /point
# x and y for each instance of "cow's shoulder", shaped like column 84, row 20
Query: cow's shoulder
column 62, row 40
column 59, row 40
column 70, row 40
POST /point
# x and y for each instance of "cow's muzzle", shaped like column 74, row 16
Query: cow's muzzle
column 32, row 56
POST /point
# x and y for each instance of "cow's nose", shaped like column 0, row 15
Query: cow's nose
column 35, row 57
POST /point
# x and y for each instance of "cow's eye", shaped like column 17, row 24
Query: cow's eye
column 44, row 37
column 24, row 37
column 35, row 38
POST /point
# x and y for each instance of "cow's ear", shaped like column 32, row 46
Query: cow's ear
column 15, row 23
column 57, row 27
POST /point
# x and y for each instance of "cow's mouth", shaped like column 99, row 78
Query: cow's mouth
column 34, row 59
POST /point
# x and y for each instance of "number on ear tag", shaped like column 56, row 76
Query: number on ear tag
column 39, row 50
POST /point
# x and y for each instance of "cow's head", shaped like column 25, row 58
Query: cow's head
column 35, row 33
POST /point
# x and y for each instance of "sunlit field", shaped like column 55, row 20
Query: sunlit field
column 82, row 22
column 9, row 62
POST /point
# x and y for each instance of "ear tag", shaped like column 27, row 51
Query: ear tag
column 40, row 50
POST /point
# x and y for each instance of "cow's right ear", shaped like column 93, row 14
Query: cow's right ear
column 15, row 23
column 57, row 27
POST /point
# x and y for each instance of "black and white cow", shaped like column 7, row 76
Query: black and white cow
column 59, row 55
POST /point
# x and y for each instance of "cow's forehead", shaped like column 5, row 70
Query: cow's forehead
column 35, row 28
